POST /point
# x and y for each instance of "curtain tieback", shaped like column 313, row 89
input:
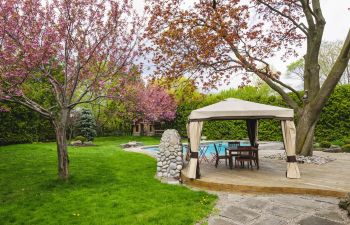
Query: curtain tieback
column 194, row 155
column 291, row 158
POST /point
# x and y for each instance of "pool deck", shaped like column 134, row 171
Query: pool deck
column 330, row 179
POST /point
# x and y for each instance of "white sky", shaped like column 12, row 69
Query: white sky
column 337, row 15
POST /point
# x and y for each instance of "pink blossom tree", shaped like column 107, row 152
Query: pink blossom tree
column 151, row 102
column 68, row 50
column 155, row 104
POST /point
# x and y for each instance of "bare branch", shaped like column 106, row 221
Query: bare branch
column 300, row 26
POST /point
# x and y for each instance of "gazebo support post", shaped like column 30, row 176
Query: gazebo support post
column 289, row 133
column 252, row 131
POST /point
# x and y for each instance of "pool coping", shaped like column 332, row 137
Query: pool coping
column 142, row 150
column 153, row 154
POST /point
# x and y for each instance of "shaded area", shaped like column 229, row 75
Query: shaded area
column 331, row 179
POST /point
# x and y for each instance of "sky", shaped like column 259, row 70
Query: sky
column 337, row 15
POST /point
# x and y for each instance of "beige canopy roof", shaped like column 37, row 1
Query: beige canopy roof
column 233, row 108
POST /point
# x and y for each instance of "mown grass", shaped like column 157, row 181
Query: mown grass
column 107, row 186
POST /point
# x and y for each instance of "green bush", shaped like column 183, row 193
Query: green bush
column 21, row 125
column 80, row 138
column 347, row 141
column 86, row 126
column 338, row 142
column 346, row 148
column 334, row 123
column 325, row 144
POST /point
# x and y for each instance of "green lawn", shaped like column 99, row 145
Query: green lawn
column 107, row 186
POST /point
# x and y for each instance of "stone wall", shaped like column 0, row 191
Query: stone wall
column 345, row 203
column 169, row 158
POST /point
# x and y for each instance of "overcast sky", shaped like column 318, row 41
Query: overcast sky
column 337, row 15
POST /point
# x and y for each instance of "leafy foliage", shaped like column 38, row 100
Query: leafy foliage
column 329, row 52
column 80, row 138
column 334, row 122
column 87, row 125
column 346, row 148
column 325, row 144
column 21, row 125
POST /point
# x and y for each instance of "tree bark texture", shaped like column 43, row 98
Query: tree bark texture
column 60, row 125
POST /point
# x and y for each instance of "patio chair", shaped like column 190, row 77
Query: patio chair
column 218, row 156
column 249, row 155
column 233, row 145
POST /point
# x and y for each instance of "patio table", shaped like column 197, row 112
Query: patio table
column 241, row 149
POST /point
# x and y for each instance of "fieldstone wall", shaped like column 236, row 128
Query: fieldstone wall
column 169, row 158
column 345, row 203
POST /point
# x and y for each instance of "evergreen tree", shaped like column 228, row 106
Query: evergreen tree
column 86, row 126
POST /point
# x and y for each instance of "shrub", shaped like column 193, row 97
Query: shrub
column 87, row 126
column 80, row 138
column 347, row 141
column 21, row 125
column 338, row 142
column 325, row 144
column 346, row 148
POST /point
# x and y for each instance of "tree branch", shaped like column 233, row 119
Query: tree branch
column 334, row 75
column 300, row 26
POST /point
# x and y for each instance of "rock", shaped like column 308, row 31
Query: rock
column 345, row 203
column 78, row 142
column 318, row 160
column 333, row 150
column 173, row 166
column 131, row 144
column 169, row 159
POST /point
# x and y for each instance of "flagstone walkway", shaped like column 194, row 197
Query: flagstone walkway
column 239, row 209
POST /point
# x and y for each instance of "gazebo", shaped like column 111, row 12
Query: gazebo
column 236, row 109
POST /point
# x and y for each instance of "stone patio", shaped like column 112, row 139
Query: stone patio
column 248, row 209
column 330, row 179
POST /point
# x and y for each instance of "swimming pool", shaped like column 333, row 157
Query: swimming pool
column 221, row 144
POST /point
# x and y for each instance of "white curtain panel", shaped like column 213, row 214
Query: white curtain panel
column 194, row 132
column 289, row 135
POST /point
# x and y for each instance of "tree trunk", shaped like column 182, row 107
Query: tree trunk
column 305, row 131
column 60, row 125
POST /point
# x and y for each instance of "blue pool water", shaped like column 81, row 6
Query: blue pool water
column 211, row 149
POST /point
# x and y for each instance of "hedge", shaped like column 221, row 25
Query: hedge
column 21, row 125
column 334, row 123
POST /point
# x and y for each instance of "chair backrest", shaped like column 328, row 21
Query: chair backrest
column 233, row 144
column 216, row 149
